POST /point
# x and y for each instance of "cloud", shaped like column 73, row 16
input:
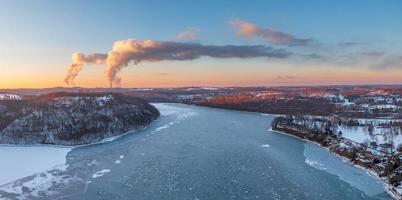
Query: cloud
column 365, row 59
column 387, row 62
column 133, row 51
column 312, row 56
column 249, row 30
column 374, row 60
column 189, row 34
column 373, row 53
column 350, row 44
column 79, row 60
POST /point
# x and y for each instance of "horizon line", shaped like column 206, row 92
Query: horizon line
column 201, row 86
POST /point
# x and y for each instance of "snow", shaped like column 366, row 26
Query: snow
column 103, row 100
column 361, row 134
column 165, row 126
column 377, row 122
column 190, row 89
column 32, row 168
column 180, row 112
column 356, row 134
column 399, row 189
column 209, row 88
column 119, row 160
column 39, row 184
column 384, row 106
column 379, row 106
column 23, row 161
column 188, row 97
column 345, row 101
column 10, row 97
column 143, row 89
column 203, row 88
column 68, row 101
column 315, row 164
column 380, row 135
column 100, row 173
column 93, row 163
column 109, row 139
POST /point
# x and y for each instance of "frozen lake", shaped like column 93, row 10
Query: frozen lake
column 197, row 153
column 19, row 162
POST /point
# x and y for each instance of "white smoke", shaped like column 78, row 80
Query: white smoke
column 133, row 51
column 79, row 60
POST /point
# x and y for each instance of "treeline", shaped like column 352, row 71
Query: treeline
column 295, row 106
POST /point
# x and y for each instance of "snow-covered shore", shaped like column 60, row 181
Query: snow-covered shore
column 27, row 160
column 388, row 187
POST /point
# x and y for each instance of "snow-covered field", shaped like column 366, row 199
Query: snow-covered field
column 380, row 135
column 20, row 162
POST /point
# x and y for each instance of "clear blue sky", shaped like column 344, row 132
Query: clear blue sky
column 45, row 33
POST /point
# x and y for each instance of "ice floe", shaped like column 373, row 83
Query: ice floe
column 118, row 161
column 100, row 173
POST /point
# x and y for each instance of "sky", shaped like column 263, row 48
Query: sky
column 161, row 43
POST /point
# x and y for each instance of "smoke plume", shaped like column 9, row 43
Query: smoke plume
column 79, row 60
column 133, row 51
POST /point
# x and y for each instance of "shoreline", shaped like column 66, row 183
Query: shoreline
column 69, row 148
column 246, row 110
column 104, row 140
column 390, row 190
column 234, row 110
column 41, row 159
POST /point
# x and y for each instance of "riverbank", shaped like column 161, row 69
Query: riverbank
column 72, row 119
column 372, row 173
column 353, row 154
column 219, row 149
column 47, row 157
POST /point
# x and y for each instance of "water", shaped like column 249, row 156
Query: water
column 201, row 153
